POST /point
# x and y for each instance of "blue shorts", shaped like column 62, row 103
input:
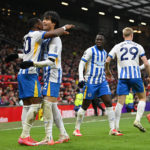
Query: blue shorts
column 29, row 86
column 91, row 91
column 76, row 108
column 51, row 89
column 124, row 86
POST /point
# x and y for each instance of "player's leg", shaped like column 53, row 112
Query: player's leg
column 88, row 94
column 118, row 110
column 104, row 92
column 122, row 90
column 29, row 90
column 80, row 116
column 141, row 93
column 94, row 104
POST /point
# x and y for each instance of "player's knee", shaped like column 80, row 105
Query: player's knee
column 81, row 112
column 108, row 103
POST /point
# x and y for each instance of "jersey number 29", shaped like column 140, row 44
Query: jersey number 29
column 133, row 51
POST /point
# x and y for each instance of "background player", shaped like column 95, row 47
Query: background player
column 96, row 85
column 128, row 53
column 52, row 79
column 29, row 86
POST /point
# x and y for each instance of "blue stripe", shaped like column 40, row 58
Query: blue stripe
column 84, row 59
column 100, row 75
column 121, row 73
column 26, row 71
column 43, row 35
column 101, row 56
column 138, row 70
column 134, row 69
column 110, row 56
column 53, row 55
column 58, row 81
column 96, row 74
column 130, row 72
column 125, row 72
column 142, row 55
column 92, row 65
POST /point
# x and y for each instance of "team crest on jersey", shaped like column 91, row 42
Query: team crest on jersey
column 89, row 94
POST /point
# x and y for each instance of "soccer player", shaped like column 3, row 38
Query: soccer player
column 128, row 53
column 52, row 79
column 29, row 86
column 94, row 83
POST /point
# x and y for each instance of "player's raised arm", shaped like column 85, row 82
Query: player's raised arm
column 59, row 31
column 13, row 56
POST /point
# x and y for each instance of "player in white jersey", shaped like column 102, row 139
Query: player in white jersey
column 128, row 53
column 52, row 79
column 95, row 84
column 29, row 86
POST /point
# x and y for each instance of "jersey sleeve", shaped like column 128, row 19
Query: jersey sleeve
column 53, row 51
column 112, row 53
column 87, row 55
column 141, row 51
column 40, row 35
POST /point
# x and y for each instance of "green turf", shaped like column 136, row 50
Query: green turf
column 95, row 135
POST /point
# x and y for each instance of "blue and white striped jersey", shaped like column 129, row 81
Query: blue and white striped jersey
column 32, row 50
column 53, row 48
column 127, row 53
column 94, row 68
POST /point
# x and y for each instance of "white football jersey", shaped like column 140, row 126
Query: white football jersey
column 32, row 50
column 53, row 49
column 127, row 53
column 94, row 68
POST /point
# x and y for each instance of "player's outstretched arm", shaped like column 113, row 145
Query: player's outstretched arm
column 13, row 56
column 59, row 31
column 40, row 64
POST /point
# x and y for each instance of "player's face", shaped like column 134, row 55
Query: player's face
column 99, row 41
column 47, row 24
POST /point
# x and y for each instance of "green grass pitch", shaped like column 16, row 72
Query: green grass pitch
column 95, row 135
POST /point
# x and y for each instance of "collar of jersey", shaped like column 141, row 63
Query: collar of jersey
column 97, row 48
column 31, row 31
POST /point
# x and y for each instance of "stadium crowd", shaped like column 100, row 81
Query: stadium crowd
column 73, row 47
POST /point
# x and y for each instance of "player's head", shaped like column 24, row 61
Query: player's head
column 99, row 41
column 35, row 24
column 127, row 33
column 51, row 20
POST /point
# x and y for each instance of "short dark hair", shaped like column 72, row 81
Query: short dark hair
column 100, row 33
column 54, row 16
column 32, row 22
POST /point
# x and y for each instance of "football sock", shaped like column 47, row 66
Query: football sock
column 118, row 110
column 58, row 119
column 111, row 117
column 140, row 110
column 80, row 116
column 30, row 118
column 48, row 119
column 24, row 113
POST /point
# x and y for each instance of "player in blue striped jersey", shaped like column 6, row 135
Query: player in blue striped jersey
column 29, row 86
column 128, row 54
column 52, row 79
column 95, row 82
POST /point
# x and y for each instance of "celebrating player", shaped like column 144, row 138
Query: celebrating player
column 128, row 53
column 29, row 86
column 52, row 79
column 94, row 83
